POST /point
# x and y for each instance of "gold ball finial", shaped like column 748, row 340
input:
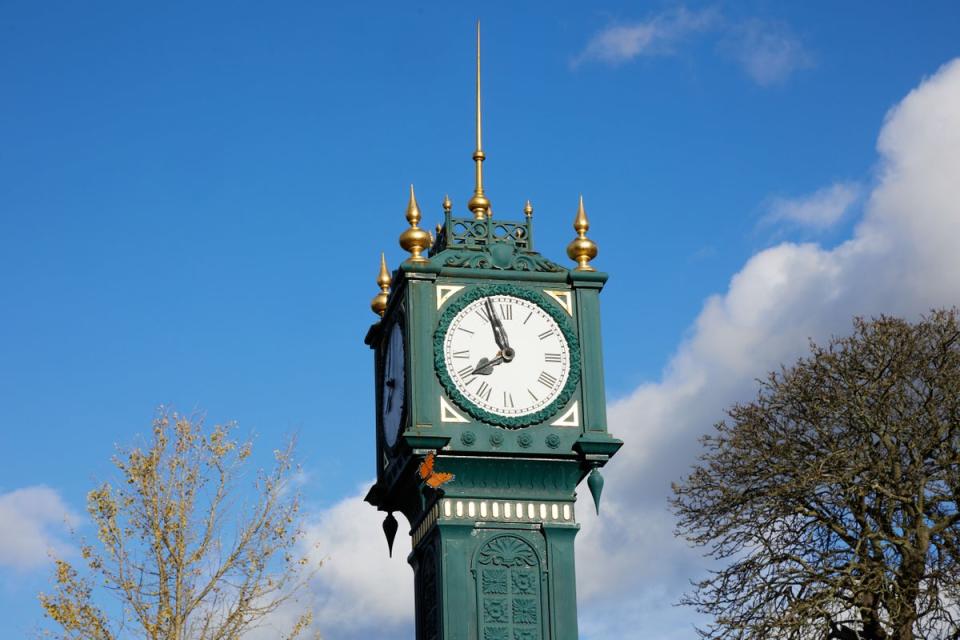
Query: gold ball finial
column 447, row 204
column 528, row 209
column 479, row 204
column 582, row 249
column 379, row 303
column 415, row 240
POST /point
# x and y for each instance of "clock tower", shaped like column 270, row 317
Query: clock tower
column 490, row 411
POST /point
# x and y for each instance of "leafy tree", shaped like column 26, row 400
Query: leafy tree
column 830, row 501
column 183, row 558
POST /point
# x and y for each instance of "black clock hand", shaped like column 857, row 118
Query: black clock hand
column 499, row 333
column 391, row 385
column 485, row 367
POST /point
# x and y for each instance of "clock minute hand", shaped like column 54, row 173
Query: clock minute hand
column 499, row 332
column 391, row 384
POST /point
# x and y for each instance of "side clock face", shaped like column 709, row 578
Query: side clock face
column 506, row 355
column 392, row 400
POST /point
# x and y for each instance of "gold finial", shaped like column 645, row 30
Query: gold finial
column 447, row 205
column 379, row 302
column 413, row 209
column 582, row 249
column 479, row 203
column 415, row 240
column 528, row 209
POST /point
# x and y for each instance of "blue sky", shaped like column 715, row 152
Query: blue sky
column 193, row 199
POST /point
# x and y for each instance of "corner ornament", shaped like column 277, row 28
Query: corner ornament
column 582, row 249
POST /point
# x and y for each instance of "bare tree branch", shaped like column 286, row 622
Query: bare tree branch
column 161, row 531
column 831, row 499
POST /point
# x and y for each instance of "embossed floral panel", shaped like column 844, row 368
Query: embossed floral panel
column 509, row 574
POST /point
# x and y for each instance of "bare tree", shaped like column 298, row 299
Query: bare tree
column 830, row 502
column 183, row 558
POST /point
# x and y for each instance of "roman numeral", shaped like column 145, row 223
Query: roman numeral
column 536, row 399
column 547, row 380
column 466, row 371
column 546, row 334
column 529, row 315
column 551, row 357
column 465, row 330
column 485, row 391
column 506, row 311
column 507, row 400
column 484, row 314
column 465, row 354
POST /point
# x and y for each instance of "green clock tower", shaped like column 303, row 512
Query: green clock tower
column 490, row 411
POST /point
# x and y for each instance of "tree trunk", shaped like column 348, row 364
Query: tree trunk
column 870, row 617
column 911, row 573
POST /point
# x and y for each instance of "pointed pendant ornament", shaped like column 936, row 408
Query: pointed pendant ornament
column 390, row 530
column 595, row 482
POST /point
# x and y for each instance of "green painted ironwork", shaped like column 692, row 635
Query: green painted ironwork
column 471, row 232
column 489, row 244
column 566, row 327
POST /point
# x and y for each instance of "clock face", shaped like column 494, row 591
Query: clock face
column 392, row 400
column 506, row 355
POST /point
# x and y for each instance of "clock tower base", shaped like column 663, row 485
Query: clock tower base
column 489, row 567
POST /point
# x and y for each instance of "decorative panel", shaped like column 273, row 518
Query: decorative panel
column 509, row 576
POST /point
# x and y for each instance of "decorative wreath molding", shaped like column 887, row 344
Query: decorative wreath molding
column 550, row 306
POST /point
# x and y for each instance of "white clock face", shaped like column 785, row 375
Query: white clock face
column 391, row 403
column 506, row 355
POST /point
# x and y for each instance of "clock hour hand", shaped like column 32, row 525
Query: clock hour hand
column 499, row 332
column 485, row 366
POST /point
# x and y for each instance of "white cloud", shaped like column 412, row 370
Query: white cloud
column 33, row 521
column 901, row 259
column 819, row 210
column 359, row 591
column 658, row 35
column 768, row 51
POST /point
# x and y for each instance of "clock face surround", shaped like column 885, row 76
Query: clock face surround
column 393, row 387
column 507, row 355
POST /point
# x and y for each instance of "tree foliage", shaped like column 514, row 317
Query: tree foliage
column 830, row 501
column 183, row 556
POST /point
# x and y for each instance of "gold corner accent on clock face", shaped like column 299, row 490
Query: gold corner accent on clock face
column 563, row 298
column 570, row 418
column 448, row 413
column 444, row 291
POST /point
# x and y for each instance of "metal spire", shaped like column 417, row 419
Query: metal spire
column 479, row 203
